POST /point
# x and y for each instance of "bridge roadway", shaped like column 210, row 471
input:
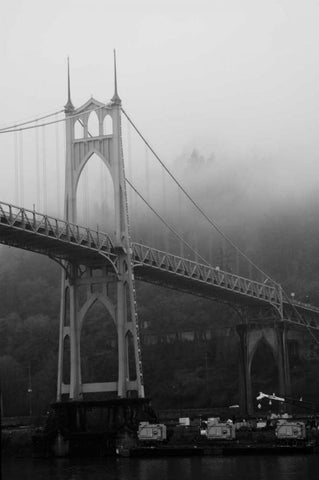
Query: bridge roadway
column 61, row 240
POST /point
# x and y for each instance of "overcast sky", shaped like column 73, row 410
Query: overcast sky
column 234, row 77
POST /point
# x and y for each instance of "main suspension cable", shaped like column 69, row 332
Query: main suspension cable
column 300, row 317
column 52, row 122
column 166, row 224
column 213, row 224
column 195, row 204
column 17, row 125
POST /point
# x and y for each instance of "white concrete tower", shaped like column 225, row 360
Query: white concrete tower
column 122, row 306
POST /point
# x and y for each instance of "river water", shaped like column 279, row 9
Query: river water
column 270, row 467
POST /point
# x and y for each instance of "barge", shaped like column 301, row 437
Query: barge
column 129, row 427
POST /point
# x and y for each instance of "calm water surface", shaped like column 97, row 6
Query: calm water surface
column 213, row 468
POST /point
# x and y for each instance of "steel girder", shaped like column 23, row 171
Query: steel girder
column 62, row 240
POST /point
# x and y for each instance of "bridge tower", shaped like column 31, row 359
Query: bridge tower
column 117, row 270
column 251, row 335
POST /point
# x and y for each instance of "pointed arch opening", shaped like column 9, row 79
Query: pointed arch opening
column 131, row 356
column 264, row 376
column 93, row 125
column 99, row 350
column 78, row 130
column 67, row 307
column 128, row 303
column 66, row 360
column 95, row 196
column 107, row 125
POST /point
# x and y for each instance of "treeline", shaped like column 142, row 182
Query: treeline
column 29, row 307
column 282, row 241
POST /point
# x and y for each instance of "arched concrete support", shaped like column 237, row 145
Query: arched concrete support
column 250, row 336
column 78, row 152
column 73, row 330
column 284, row 368
column 245, row 395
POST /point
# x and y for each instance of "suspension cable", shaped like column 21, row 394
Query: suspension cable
column 195, row 204
column 57, row 168
column 21, row 169
column 16, row 167
column 213, row 224
column 300, row 317
column 166, row 224
column 37, row 160
column 16, row 125
column 44, row 174
column 52, row 122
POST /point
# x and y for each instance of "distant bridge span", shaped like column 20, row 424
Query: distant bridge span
column 62, row 240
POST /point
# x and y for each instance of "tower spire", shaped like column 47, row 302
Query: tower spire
column 115, row 99
column 69, row 105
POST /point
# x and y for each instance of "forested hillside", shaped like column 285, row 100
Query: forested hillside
column 196, row 369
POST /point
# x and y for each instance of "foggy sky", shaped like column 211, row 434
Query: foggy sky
column 235, row 78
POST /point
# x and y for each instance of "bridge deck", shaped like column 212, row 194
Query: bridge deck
column 56, row 238
column 50, row 236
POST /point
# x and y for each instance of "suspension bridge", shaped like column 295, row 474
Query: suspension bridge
column 110, row 248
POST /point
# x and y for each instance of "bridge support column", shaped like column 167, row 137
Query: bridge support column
column 114, row 265
column 245, row 393
column 69, row 332
column 283, row 361
column 275, row 334
column 75, row 357
column 122, row 350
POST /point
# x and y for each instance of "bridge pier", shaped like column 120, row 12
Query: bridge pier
column 75, row 354
column 245, row 394
column 96, row 276
column 250, row 335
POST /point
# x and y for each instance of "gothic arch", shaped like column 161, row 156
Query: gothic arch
column 130, row 352
column 93, row 124
column 265, row 372
column 98, row 342
column 85, row 161
column 66, row 345
column 66, row 312
column 95, row 194
column 107, row 125
column 257, row 345
column 78, row 131
column 270, row 340
column 89, row 304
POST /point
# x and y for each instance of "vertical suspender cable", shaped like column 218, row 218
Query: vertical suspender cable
column 195, row 243
column 131, row 199
column 57, row 168
column 37, row 158
column 86, row 206
column 149, row 228
column 44, row 174
column 224, row 248
column 147, row 174
column 16, row 169
column 21, row 186
column 103, row 195
column 181, row 220
column 166, row 238
column 237, row 260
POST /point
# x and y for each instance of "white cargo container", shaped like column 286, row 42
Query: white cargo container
column 220, row 431
column 184, row 421
column 151, row 431
column 291, row 430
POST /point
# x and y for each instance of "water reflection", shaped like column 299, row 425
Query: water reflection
column 196, row 468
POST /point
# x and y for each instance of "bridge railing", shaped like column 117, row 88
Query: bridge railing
column 45, row 225
column 151, row 257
